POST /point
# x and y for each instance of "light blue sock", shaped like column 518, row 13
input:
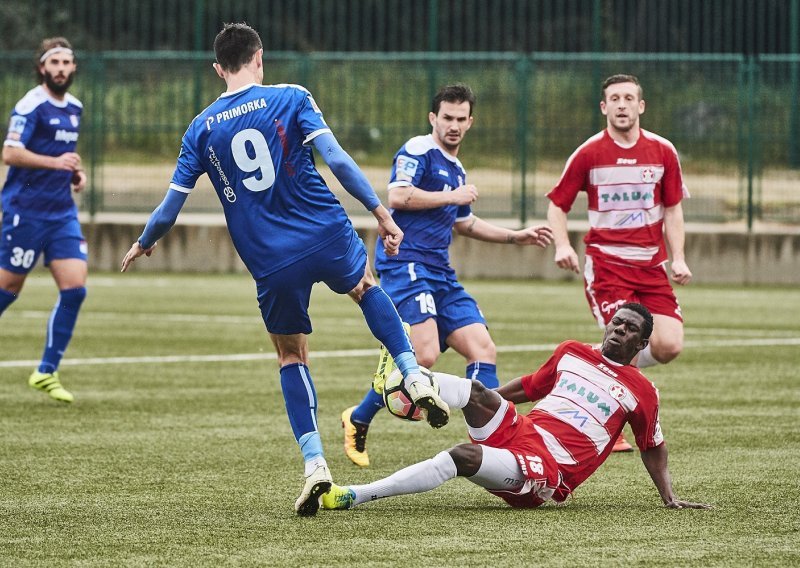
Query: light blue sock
column 301, row 408
column 310, row 445
column 60, row 327
column 385, row 324
column 485, row 373
column 369, row 407
column 6, row 299
column 407, row 363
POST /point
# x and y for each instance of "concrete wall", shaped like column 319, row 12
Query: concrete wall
column 714, row 254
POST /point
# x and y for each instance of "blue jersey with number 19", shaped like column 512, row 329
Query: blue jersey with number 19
column 253, row 144
column 423, row 164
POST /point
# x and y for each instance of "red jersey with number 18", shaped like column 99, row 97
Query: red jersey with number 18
column 585, row 400
column 628, row 189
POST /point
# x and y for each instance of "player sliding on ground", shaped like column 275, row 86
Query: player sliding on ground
column 586, row 396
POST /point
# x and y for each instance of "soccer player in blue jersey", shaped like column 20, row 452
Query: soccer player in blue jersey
column 39, row 214
column 429, row 197
column 254, row 142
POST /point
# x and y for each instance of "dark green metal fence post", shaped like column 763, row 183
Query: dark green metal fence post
column 433, row 47
column 597, row 47
column 96, row 129
column 794, row 91
column 523, row 68
column 741, row 138
column 752, row 133
column 200, row 10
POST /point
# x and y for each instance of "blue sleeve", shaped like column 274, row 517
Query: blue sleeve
column 189, row 166
column 309, row 116
column 346, row 170
column 162, row 218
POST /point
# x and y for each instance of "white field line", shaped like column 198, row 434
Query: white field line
column 350, row 353
column 156, row 318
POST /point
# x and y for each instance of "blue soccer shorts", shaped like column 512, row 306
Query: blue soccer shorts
column 421, row 292
column 25, row 239
column 283, row 296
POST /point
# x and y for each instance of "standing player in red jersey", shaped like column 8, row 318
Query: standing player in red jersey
column 586, row 396
column 634, row 185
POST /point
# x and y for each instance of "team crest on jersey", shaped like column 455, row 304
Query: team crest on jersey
column 74, row 120
column 618, row 391
column 406, row 168
column 648, row 175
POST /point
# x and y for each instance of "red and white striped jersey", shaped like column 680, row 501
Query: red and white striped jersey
column 585, row 400
column 628, row 189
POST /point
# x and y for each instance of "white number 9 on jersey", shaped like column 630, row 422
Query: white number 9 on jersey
column 261, row 161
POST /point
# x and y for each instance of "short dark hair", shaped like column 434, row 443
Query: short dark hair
column 614, row 79
column 457, row 93
column 647, row 328
column 46, row 45
column 235, row 46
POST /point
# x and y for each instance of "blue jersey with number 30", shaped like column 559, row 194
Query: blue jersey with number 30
column 48, row 127
column 252, row 143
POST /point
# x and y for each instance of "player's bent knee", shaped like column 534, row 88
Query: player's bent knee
column 427, row 358
column 468, row 458
column 478, row 391
column 665, row 351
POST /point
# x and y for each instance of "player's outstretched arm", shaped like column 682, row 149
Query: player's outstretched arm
column 565, row 256
column 346, row 171
column 24, row 158
column 412, row 198
column 390, row 234
column 655, row 461
column 676, row 235
column 476, row 228
column 513, row 391
column 160, row 222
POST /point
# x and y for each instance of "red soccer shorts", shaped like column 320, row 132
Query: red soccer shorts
column 516, row 434
column 609, row 285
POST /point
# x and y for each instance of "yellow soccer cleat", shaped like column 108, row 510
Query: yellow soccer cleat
column 49, row 383
column 386, row 365
column 316, row 484
column 338, row 498
column 355, row 439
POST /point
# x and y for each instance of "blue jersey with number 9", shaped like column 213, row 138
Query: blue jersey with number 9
column 253, row 144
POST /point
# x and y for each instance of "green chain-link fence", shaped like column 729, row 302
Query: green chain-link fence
column 733, row 118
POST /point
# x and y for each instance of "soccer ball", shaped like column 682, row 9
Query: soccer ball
column 397, row 399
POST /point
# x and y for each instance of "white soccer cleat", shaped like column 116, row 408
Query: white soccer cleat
column 437, row 412
column 316, row 484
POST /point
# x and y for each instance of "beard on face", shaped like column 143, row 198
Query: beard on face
column 57, row 88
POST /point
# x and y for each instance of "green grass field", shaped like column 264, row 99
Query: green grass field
column 177, row 451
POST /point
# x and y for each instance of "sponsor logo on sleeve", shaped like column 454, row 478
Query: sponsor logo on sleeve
column 406, row 168
column 16, row 127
